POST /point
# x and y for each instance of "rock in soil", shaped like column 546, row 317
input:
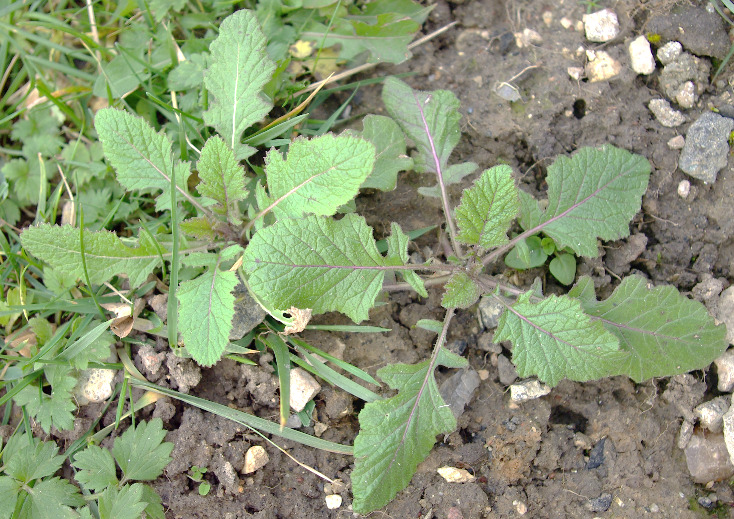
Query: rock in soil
column 528, row 390
column 706, row 151
column 641, row 59
column 666, row 114
column 700, row 31
column 303, row 388
column 458, row 389
column 454, row 475
column 255, row 458
column 684, row 79
column 506, row 370
column 711, row 414
column 601, row 26
column 725, row 371
column 708, row 458
column 94, row 385
column 725, row 314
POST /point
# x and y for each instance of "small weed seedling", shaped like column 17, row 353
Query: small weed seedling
column 288, row 233
column 197, row 474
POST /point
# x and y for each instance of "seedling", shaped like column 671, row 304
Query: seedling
column 197, row 474
column 279, row 233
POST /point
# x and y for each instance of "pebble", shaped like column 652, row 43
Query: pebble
column 686, row 95
column 507, row 371
column 575, row 72
column 319, row 429
column 520, row 507
column 707, row 457
column 256, row 457
column 675, row 77
column 725, row 371
column 547, row 18
column 454, row 475
column 528, row 390
column 729, row 432
column 527, row 38
column 708, row 288
column 710, row 414
column 601, row 66
column 489, row 312
column 94, row 385
column 565, row 23
column 458, row 390
column 677, row 143
column 333, row 501
column 669, row 52
column 641, row 58
column 601, row 503
column 601, row 26
column 483, row 374
column 706, row 151
column 665, row 114
column 303, row 388
column 685, row 433
column 684, row 189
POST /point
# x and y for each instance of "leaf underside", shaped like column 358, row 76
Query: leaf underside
column 397, row 433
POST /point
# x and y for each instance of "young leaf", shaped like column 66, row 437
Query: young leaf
column 239, row 69
column 96, row 468
column 221, row 178
column 441, row 111
column 389, row 142
column 54, row 409
column 319, row 174
column 664, row 332
column 526, row 254
column 563, row 268
column 593, row 194
column 141, row 157
column 397, row 254
column 26, row 458
column 125, row 503
column 205, row 314
column 554, row 339
column 9, row 488
column 106, row 256
column 398, row 433
column 318, row 263
column 141, row 452
column 487, row 209
column 461, row 291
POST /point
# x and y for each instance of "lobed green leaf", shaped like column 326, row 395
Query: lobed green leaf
column 488, row 208
column 397, row 433
column 96, row 468
column 141, row 452
column 390, row 158
column 239, row 69
column 664, row 332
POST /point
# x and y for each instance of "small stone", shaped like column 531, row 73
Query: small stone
column 565, row 23
column 576, row 73
column 489, row 312
column 677, row 142
column 710, row 414
column 94, row 385
column 669, row 52
column 256, row 457
column 454, row 513
column 458, row 389
column 729, row 432
column 641, row 58
column 708, row 288
column 528, row 390
column 725, row 371
column 507, row 371
column 303, row 388
column 686, row 96
column 485, row 343
column 601, row 26
column 520, row 507
column 319, row 429
column 527, row 38
column 454, row 475
column 707, row 458
column 483, row 374
column 685, row 433
column 706, row 151
column 684, row 189
column 725, row 312
column 601, row 503
column 547, row 17
column 706, row 502
column 601, row 66
column 333, row 501
column 665, row 114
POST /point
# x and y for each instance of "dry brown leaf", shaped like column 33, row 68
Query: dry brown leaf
column 300, row 320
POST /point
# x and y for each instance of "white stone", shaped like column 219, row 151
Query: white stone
column 256, row 457
column 686, row 96
column 665, row 114
column 528, row 390
column 677, row 143
column 601, row 66
column 725, row 312
column 641, row 58
column 669, row 52
column 725, row 371
column 729, row 432
column 684, row 189
column 710, row 414
column 685, row 434
column 333, row 501
column 565, row 23
column 454, row 475
column 303, row 388
column 575, row 72
column 601, row 26
column 95, row 385
column 547, row 17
